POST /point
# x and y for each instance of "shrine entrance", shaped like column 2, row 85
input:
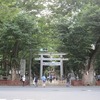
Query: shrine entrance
column 51, row 59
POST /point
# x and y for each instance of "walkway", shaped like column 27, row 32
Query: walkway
column 49, row 93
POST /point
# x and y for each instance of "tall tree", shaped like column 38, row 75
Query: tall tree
column 78, row 36
column 18, row 35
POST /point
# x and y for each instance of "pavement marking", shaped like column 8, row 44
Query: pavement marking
column 29, row 99
column 89, row 90
column 3, row 99
column 20, row 99
column 43, row 99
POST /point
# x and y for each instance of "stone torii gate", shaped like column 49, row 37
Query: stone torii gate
column 58, row 61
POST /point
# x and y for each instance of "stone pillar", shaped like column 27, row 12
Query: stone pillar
column 61, row 67
column 22, row 67
column 41, row 66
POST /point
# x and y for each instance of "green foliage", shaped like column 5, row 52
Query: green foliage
column 48, row 38
column 32, row 7
column 17, row 37
column 3, row 72
column 78, row 33
column 8, row 10
column 72, row 26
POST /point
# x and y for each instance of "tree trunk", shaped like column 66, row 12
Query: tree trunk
column 88, row 76
column 13, row 74
column 13, row 60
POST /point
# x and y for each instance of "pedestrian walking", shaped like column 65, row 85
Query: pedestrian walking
column 43, row 81
column 68, row 83
column 23, row 80
column 35, row 81
column 50, row 78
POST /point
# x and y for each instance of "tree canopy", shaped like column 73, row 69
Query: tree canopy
column 70, row 26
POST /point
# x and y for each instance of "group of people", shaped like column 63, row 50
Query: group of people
column 35, row 81
column 43, row 78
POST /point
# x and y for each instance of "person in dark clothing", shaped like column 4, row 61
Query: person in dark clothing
column 50, row 78
column 36, row 81
column 68, row 80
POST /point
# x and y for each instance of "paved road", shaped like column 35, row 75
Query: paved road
column 49, row 93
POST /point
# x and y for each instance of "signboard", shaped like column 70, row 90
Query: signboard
column 22, row 67
column 51, row 63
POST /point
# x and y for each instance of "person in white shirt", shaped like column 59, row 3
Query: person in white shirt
column 23, row 80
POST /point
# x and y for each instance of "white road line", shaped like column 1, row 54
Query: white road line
column 20, row 99
column 25, row 99
column 29, row 99
column 3, row 99
column 89, row 90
